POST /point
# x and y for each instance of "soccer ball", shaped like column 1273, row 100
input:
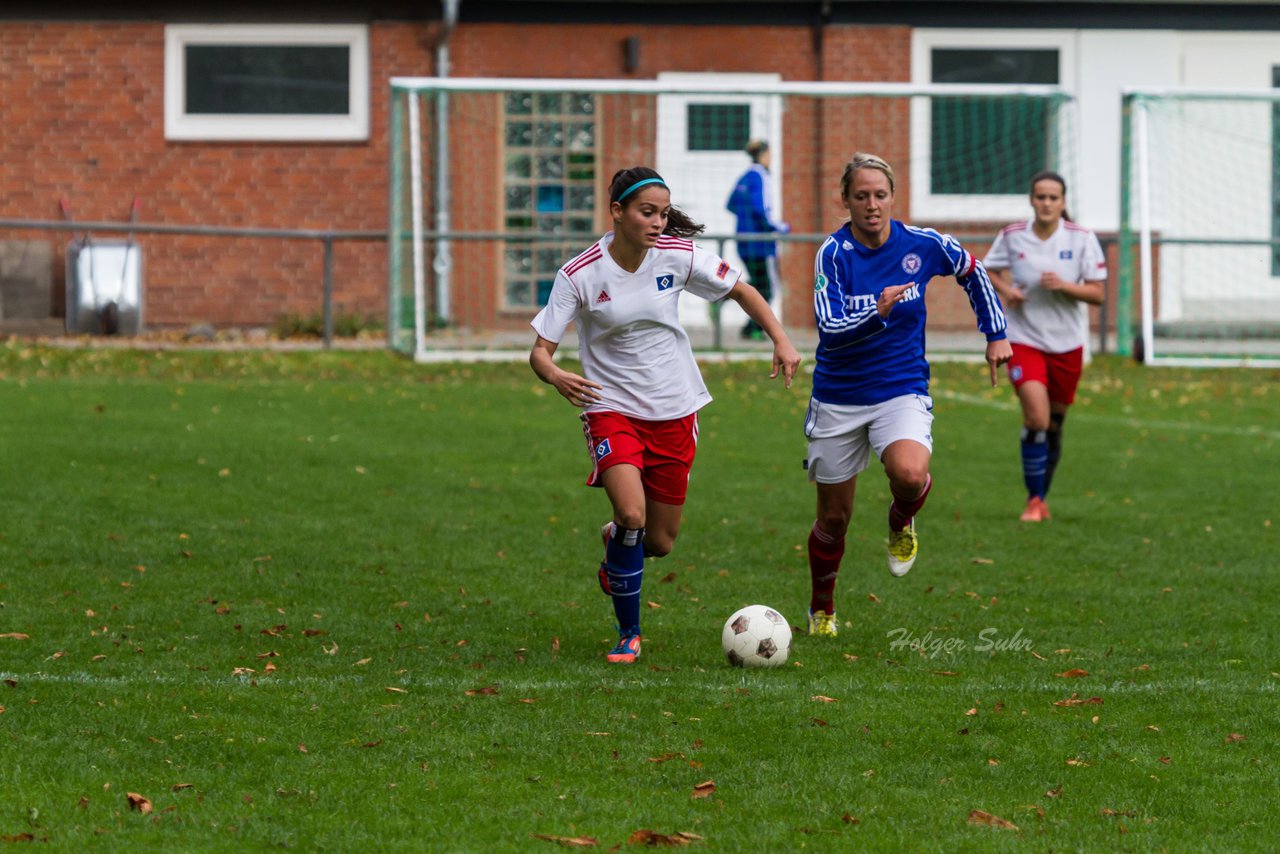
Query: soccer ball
column 756, row 636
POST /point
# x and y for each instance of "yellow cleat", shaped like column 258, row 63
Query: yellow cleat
column 902, row 549
column 822, row 624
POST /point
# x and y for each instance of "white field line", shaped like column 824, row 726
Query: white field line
column 1134, row 423
column 527, row 687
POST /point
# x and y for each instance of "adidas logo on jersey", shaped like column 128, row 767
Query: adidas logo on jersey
column 604, row 297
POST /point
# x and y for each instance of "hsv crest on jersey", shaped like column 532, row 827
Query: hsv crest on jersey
column 911, row 263
column 1065, row 255
column 722, row 270
column 602, row 449
column 664, row 282
column 604, row 297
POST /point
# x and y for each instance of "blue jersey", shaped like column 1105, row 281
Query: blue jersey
column 863, row 359
column 749, row 202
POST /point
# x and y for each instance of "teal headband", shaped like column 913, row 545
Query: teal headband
column 639, row 184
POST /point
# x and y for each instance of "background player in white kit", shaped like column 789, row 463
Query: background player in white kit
column 641, row 389
column 1046, row 269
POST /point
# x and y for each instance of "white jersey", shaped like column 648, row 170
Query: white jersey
column 629, row 334
column 1049, row 321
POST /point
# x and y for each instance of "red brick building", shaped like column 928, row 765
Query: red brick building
column 93, row 112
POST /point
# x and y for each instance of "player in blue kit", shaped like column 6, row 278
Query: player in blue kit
column 871, row 381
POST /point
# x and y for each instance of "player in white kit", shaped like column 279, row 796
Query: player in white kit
column 640, row 388
column 1046, row 270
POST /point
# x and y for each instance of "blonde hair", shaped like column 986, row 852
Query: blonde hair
column 863, row 160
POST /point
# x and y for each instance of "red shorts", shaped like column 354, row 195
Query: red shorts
column 1060, row 372
column 662, row 450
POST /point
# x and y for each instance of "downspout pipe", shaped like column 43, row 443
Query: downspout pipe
column 443, row 264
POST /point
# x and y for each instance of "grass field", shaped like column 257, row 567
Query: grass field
column 339, row 601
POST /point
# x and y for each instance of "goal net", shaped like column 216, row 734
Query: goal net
column 496, row 183
column 1200, row 230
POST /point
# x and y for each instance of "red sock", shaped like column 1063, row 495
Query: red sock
column 902, row 510
column 825, row 552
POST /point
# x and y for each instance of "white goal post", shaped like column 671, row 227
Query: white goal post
column 496, row 182
column 1200, row 226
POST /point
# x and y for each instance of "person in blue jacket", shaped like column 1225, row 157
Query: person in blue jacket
column 871, row 379
column 750, row 203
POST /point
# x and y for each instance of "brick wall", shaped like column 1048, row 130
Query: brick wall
column 84, row 119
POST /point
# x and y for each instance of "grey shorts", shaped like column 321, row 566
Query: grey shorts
column 841, row 437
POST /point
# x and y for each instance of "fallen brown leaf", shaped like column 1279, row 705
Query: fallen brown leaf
column 568, row 841
column 1125, row 813
column 372, row 743
column 393, row 690
column 15, row 636
column 1054, row 793
column 18, row 837
column 848, row 819
column 983, row 560
column 1232, row 738
column 666, row 757
column 704, row 789
column 1074, row 673
column 487, row 691
column 138, row 802
column 1079, row 763
column 821, row 699
column 1077, row 700
column 989, row 820
column 653, row 839
column 178, row 787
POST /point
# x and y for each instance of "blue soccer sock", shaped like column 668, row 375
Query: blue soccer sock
column 624, row 569
column 1055, row 447
column 1035, row 457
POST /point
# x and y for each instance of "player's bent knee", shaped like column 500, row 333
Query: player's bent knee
column 628, row 518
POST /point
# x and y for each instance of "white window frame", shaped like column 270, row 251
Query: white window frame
column 926, row 205
column 180, row 125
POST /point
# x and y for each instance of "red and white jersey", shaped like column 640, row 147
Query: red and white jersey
column 629, row 334
column 1049, row 321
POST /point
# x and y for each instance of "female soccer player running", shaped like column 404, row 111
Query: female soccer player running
column 1046, row 269
column 871, row 382
column 641, row 390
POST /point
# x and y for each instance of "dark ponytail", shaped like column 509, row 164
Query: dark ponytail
column 626, row 181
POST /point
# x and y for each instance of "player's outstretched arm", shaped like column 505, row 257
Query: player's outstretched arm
column 576, row 389
column 785, row 358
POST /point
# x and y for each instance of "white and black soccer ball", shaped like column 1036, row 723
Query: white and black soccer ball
column 756, row 636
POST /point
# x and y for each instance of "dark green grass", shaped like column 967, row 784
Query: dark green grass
column 173, row 523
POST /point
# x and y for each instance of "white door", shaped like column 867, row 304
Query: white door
column 702, row 175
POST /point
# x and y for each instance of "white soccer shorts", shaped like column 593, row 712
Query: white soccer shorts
column 842, row 437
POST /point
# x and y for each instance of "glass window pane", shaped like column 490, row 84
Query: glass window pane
column 582, row 137
column 519, row 104
column 550, row 166
column 550, row 198
column 984, row 164
column 549, row 103
column 268, row 79
column 519, row 198
column 551, row 260
column 718, row 127
column 519, row 292
column 519, row 166
column 550, row 225
column 544, row 291
column 580, row 198
column 518, row 262
column 519, row 134
column 579, row 225
column 549, row 134
column 582, row 104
